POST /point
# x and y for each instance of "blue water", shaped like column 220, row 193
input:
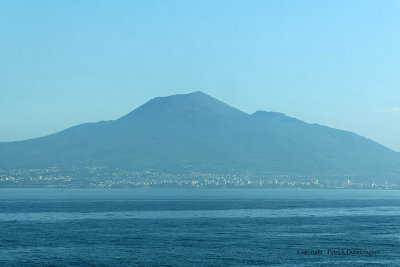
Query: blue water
column 186, row 227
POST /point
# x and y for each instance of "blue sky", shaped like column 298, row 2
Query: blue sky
column 336, row 63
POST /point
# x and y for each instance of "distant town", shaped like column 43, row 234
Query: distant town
column 104, row 177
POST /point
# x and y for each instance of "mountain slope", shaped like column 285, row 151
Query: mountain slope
column 197, row 131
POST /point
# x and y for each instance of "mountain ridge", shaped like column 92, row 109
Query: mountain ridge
column 202, row 132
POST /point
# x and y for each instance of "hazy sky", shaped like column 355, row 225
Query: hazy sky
column 336, row 63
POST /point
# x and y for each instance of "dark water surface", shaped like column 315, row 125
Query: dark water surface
column 186, row 227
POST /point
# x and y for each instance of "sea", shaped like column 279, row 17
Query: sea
column 199, row 227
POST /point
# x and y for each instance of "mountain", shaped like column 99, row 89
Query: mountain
column 199, row 132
